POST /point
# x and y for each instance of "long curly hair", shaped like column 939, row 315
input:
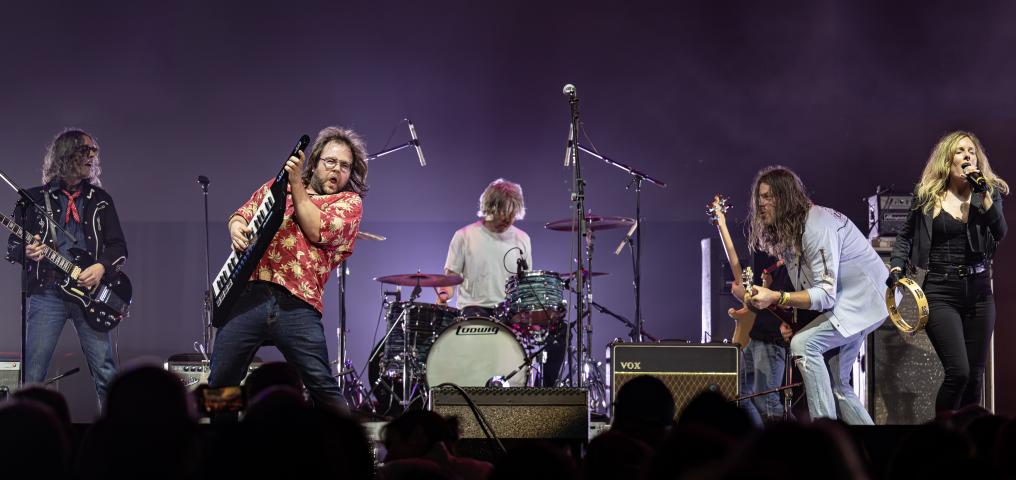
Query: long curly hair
column 63, row 155
column 358, row 175
column 935, row 178
column 792, row 205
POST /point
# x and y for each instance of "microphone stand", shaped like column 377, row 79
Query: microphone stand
column 578, row 199
column 25, row 201
column 629, row 323
column 206, row 327
column 637, row 178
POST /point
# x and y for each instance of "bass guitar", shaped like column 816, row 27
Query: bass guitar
column 106, row 304
column 744, row 318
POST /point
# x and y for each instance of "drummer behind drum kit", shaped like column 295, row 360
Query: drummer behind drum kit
column 426, row 345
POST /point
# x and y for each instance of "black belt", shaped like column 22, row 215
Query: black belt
column 958, row 270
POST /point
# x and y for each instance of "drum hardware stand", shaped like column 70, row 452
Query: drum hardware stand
column 637, row 178
column 787, row 388
column 499, row 381
column 400, row 322
column 631, row 333
column 26, row 201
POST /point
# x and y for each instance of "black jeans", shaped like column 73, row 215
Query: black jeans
column 959, row 326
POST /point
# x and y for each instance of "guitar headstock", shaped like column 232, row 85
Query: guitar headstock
column 717, row 209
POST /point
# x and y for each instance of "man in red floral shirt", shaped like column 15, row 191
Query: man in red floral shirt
column 282, row 303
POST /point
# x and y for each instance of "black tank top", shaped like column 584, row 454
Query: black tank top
column 949, row 243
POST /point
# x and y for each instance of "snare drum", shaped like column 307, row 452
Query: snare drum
column 471, row 351
column 535, row 298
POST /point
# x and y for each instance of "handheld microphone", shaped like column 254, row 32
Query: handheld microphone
column 976, row 180
column 416, row 143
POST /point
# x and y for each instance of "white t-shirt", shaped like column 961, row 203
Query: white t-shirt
column 479, row 256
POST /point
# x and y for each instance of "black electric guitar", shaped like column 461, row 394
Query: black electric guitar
column 105, row 304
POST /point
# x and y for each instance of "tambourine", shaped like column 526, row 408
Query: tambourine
column 910, row 315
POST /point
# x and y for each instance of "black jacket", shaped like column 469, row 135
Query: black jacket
column 985, row 228
column 104, row 238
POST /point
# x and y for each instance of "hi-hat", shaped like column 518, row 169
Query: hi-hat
column 593, row 222
column 421, row 279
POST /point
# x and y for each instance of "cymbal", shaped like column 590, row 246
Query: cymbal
column 568, row 275
column 362, row 235
column 593, row 222
column 421, row 279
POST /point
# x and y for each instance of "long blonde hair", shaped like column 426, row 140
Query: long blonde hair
column 935, row 178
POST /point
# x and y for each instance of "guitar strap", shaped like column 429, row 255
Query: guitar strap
column 49, row 216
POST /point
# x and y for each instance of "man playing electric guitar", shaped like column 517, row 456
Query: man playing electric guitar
column 71, row 192
column 768, row 330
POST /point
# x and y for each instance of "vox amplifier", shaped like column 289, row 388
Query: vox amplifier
column 687, row 369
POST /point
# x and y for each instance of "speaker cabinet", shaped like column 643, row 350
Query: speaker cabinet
column 10, row 373
column 904, row 374
column 518, row 412
column 687, row 369
column 193, row 370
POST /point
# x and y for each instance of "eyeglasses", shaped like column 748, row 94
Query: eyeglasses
column 87, row 150
column 331, row 164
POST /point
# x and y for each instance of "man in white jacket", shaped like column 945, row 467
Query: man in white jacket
column 835, row 271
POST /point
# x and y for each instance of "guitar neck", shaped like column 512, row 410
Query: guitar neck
column 728, row 248
column 53, row 256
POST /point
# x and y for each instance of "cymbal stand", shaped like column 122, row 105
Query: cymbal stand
column 637, row 178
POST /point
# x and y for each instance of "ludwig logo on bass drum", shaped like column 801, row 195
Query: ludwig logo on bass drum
column 477, row 330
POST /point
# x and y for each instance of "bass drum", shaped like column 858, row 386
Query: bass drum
column 471, row 351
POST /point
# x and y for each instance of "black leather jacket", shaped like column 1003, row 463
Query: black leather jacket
column 985, row 228
column 104, row 238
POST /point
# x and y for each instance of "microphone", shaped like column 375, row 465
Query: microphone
column 203, row 180
column 568, row 149
column 416, row 143
column 569, row 90
column 976, row 180
column 631, row 231
column 520, row 266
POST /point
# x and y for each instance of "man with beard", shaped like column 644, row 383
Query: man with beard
column 835, row 271
column 70, row 191
column 282, row 303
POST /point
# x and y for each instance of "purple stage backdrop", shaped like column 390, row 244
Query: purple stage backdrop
column 700, row 94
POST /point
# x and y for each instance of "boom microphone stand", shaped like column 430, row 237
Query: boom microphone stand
column 637, row 178
column 578, row 199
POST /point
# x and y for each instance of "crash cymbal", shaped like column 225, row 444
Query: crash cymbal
column 421, row 279
column 362, row 235
column 593, row 222
column 568, row 275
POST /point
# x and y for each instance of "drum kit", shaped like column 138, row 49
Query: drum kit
column 426, row 345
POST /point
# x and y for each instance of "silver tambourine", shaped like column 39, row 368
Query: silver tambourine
column 909, row 312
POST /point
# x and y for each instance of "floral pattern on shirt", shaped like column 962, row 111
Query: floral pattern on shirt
column 296, row 263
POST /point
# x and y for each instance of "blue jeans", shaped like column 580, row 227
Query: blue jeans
column 48, row 311
column 764, row 365
column 268, row 313
column 822, row 351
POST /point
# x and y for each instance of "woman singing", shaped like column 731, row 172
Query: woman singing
column 952, row 232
